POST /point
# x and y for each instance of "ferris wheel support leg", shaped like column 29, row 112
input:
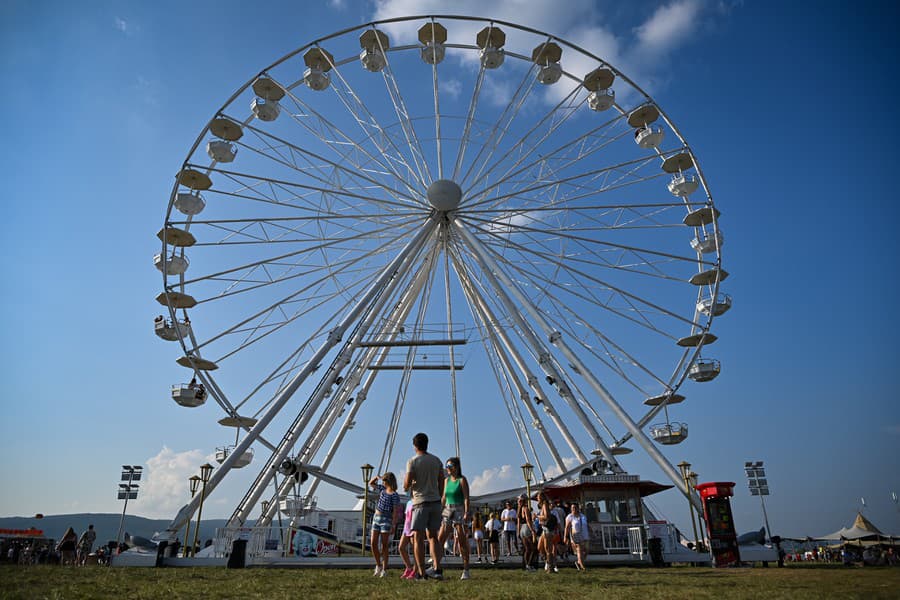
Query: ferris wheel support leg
column 490, row 269
column 368, row 309
column 556, row 339
column 333, row 339
column 489, row 321
column 376, row 355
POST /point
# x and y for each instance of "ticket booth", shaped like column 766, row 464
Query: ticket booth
column 719, row 522
column 612, row 505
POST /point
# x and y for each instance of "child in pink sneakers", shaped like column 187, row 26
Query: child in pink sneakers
column 405, row 541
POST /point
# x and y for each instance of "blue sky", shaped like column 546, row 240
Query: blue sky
column 787, row 108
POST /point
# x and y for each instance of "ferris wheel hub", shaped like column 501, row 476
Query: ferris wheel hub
column 444, row 194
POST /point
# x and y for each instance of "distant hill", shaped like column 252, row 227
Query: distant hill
column 105, row 524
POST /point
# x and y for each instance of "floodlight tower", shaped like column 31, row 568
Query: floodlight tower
column 128, row 491
column 759, row 486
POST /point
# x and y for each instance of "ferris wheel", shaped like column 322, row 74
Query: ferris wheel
column 417, row 206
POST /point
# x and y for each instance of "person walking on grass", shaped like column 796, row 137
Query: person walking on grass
column 478, row 536
column 456, row 510
column 424, row 481
column 525, row 525
column 387, row 513
column 549, row 526
column 493, row 528
column 577, row 534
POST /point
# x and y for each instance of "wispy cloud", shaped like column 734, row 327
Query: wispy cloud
column 668, row 27
column 122, row 25
column 451, row 87
column 165, row 488
column 642, row 49
column 337, row 4
column 492, row 480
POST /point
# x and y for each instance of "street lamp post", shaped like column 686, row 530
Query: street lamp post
column 195, row 485
column 527, row 472
column 205, row 473
column 367, row 475
column 692, row 481
column 684, row 466
column 128, row 491
column 759, row 486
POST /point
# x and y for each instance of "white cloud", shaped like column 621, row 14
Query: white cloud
column 492, row 480
column 337, row 4
column 641, row 51
column 669, row 26
column 451, row 87
column 507, row 476
column 165, row 486
column 121, row 24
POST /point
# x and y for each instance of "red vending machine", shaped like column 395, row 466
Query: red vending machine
column 719, row 522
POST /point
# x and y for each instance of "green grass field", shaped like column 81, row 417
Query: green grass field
column 313, row 584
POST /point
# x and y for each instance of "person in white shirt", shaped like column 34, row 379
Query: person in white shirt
column 508, row 516
column 577, row 533
column 492, row 528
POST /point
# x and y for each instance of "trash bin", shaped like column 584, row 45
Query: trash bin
column 654, row 545
column 161, row 553
column 238, row 557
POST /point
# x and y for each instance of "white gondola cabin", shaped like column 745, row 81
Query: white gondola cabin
column 705, row 369
column 708, row 244
column 189, row 204
column 716, row 307
column 221, row 150
column 224, row 452
column 491, row 41
column 648, row 136
column 374, row 43
column 682, row 185
column 669, row 433
column 433, row 37
column 265, row 110
column 601, row 100
column 319, row 61
column 191, row 396
column 171, row 331
column 171, row 265
column 547, row 56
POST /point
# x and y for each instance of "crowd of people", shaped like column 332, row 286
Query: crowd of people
column 438, row 512
column 71, row 549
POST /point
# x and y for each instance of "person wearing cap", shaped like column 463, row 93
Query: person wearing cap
column 509, row 518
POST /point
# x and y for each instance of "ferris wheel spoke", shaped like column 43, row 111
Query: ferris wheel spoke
column 316, row 163
column 335, row 243
column 345, row 147
column 465, row 139
column 288, row 186
column 552, row 258
column 526, row 269
column 582, row 152
column 592, row 174
column 510, row 358
column 368, row 121
column 499, row 130
column 525, row 145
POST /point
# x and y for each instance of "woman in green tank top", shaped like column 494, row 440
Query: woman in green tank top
column 455, row 515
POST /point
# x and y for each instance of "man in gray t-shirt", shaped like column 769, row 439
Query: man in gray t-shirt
column 425, row 484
